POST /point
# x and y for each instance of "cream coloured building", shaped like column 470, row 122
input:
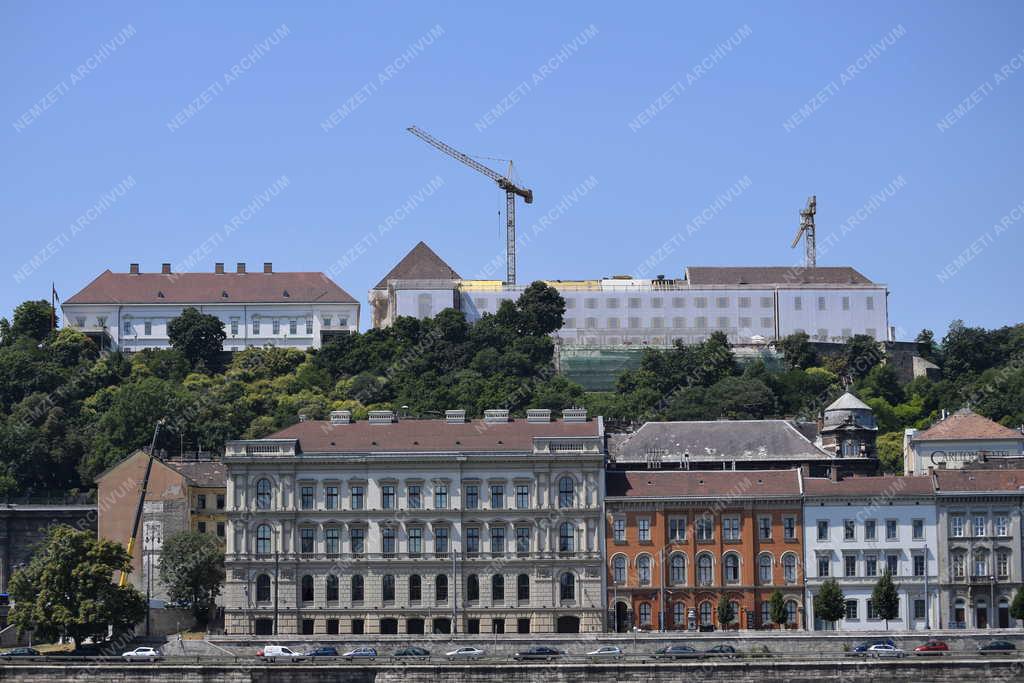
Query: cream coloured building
column 411, row 526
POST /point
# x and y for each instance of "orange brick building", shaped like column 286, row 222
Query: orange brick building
column 679, row 540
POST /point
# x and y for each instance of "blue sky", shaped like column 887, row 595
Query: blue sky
column 183, row 115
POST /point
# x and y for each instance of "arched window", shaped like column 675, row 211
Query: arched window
column 643, row 570
column 619, row 569
column 645, row 614
column 441, row 588
column 679, row 614
column 415, row 588
column 307, row 588
column 704, row 569
column 980, row 563
column 332, row 588
column 566, row 492
column 566, row 538
column 764, row 569
column 732, row 568
column 497, row 588
column 357, row 588
column 705, row 613
column 523, row 587
column 472, row 587
column 263, row 494
column 263, row 539
column 263, row 588
column 567, row 587
column 677, row 569
column 388, row 587
column 791, row 612
column 789, row 568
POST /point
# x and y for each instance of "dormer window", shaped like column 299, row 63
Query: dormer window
column 285, row 294
column 160, row 295
column 224, row 293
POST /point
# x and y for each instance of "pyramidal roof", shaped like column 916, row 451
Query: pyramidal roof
column 421, row 263
column 848, row 402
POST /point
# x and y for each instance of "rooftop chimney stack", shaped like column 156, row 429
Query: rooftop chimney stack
column 133, row 268
column 241, row 267
column 165, row 268
column 218, row 268
column 268, row 267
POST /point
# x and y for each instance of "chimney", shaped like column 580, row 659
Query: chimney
column 218, row 268
column 495, row 415
column 455, row 416
column 268, row 267
column 537, row 415
column 381, row 417
column 133, row 268
column 341, row 417
column 574, row 415
column 240, row 268
column 165, row 268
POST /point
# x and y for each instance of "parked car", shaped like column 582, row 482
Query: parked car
column 323, row 652
column 861, row 649
column 142, row 654
column 20, row 652
column 272, row 653
column 996, row 647
column 606, row 652
column 932, row 647
column 411, row 652
column 885, row 650
column 465, row 653
column 676, row 652
column 727, row 651
column 361, row 653
column 539, row 652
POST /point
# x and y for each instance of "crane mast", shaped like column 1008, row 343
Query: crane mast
column 806, row 230
column 503, row 181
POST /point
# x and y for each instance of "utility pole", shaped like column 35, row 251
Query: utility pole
column 277, row 566
column 927, row 595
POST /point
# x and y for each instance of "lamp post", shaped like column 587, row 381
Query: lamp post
column 927, row 595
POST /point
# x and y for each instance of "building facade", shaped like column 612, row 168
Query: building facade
column 756, row 304
column 961, row 439
column 854, row 530
column 678, row 541
column 130, row 311
column 417, row 526
column 980, row 537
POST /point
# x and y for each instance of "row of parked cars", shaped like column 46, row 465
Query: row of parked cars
column 139, row 654
column 271, row 653
column 886, row 647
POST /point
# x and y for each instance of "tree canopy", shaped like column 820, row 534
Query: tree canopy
column 829, row 601
column 198, row 336
column 885, row 598
column 192, row 568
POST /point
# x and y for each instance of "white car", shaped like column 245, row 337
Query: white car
column 883, row 650
column 465, row 653
column 142, row 654
column 271, row 653
column 606, row 652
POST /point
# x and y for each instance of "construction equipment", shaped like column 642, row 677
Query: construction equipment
column 806, row 230
column 123, row 581
column 505, row 182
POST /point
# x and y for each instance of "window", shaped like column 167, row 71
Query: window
column 722, row 302
column 414, row 497
column 441, row 497
column 332, row 537
column 357, row 588
column 263, row 494
column 959, row 565
column 387, row 587
column 644, row 529
column 309, row 326
column 892, row 563
column 275, row 326
column 678, row 322
column 472, row 540
column 472, row 496
column 723, row 323
column 256, row 325
column 766, row 613
column 263, row 539
column 522, row 496
column 732, row 568
column 498, row 588
column 643, row 570
column 678, row 614
column 979, row 525
column 293, row 327
column 634, row 302
column 619, row 530
column 415, row 588
column 388, row 497
column 612, row 303
column 705, row 614
column 619, row 570
column 870, row 302
column 764, row 528
column 332, row 588
column 441, row 540
column 566, row 538
column 798, row 304
column 872, row 613
column 849, row 565
column 704, row 569
column 566, row 492
column 919, row 609
column 263, row 588
column 415, row 540
column 891, row 530
column 497, row 540
column 220, row 529
column 201, row 501
column 677, row 529
column 307, row 497
column 700, row 322
column 956, row 526
column 918, row 565
column 917, row 527
column 789, row 568
column 645, row 614
column 764, row 569
column 870, row 565
column 387, row 541
column 201, row 527
column 567, row 587
column 789, row 528
column 326, row 322
column 869, row 530
column 128, row 326
column 851, row 609
column 307, row 588
column 523, row 540
column 656, row 302
column 846, row 303
column 148, row 328
column 767, row 323
column 357, row 539
column 849, row 530
column 731, row 528
column 1002, row 564
column 1002, row 525
column 677, row 569
column 358, row 494
column 822, row 530
column 441, row 588
column 705, row 528
column 823, row 565
column 523, row 588
column 678, row 302
column 821, row 303
column 791, row 612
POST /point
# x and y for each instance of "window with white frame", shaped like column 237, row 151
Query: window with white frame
column 956, row 526
column 619, row 530
column 1002, row 525
column 891, row 530
column 849, row 530
column 677, row 528
column 705, row 528
column 917, row 529
column 730, row 528
column 822, row 529
column 731, row 564
column 643, row 570
column 643, row 525
column 764, row 569
column 619, row 570
column 789, row 568
column 979, row 526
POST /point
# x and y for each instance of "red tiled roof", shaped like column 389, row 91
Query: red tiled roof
column 979, row 480
column 204, row 473
column 703, row 484
column 421, row 263
column 774, row 275
column 428, row 436
column 210, row 288
column 869, row 486
column 967, row 424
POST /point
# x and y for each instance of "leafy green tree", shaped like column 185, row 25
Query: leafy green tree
column 926, row 346
column 541, row 308
column 726, row 613
column 885, row 598
column 881, row 382
column 829, row 602
column 1017, row 606
column 739, row 398
column 198, row 336
column 67, row 589
column 192, row 568
column 967, row 350
column 860, row 355
column 890, row 452
column 777, row 608
column 32, row 320
column 798, row 351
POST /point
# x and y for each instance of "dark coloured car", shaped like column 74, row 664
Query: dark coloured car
column 539, row 652
column 323, row 652
column 412, row 652
column 932, row 647
column 361, row 653
column 21, row 652
column 676, row 652
column 727, row 651
column 996, row 647
column 861, row 649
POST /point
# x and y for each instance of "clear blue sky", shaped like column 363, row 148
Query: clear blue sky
column 109, row 115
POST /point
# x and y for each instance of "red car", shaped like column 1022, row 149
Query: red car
column 932, row 647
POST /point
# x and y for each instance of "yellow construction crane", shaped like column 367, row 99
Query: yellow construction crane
column 806, row 230
column 123, row 581
column 505, row 182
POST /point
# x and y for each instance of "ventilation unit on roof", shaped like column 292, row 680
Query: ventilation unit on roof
column 454, row 417
column 538, row 415
column 574, row 415
column 341, row 417
column 381, row 417
column 496, row 415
